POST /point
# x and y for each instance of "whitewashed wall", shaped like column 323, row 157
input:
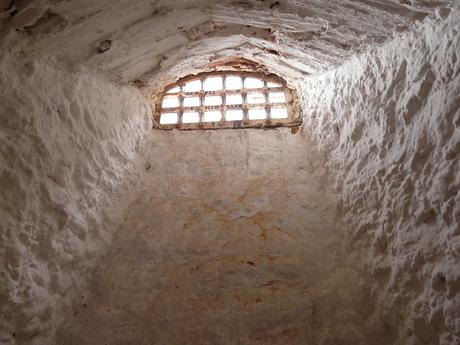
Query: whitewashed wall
column 67, row 146
column 388, row 122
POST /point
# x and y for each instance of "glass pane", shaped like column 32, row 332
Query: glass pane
column 190, row 117
column 277, row 97
column 234, row 99
column 174, row 90
column 213, row 84
column 253, row 83
column 257, row 114
column 271, row 84
column 213, row 100
column 256, row 98
column 170, row 102
column 212, row 116
column 168, row 118
column 279, row 113
column 191, row 101
column 233, row 83
column 193, row 86
column 234, row 115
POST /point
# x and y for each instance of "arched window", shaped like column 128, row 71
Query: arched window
column 226, row 100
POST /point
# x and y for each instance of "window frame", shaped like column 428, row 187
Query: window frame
column 293, row 119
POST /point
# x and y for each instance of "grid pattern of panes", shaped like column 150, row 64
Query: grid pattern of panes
column 223, row 98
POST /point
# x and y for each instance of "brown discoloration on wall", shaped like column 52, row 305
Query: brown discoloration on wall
column 232, row 240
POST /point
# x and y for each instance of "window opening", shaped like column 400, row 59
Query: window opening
column 212, row 116
column 190, row 117
column 227, row 100
column 168, row 118
column 279, row 113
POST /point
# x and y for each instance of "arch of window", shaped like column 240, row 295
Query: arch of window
column 226, row 100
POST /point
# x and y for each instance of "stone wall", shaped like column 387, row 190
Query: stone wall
column 232, row 239
column 388, row 122
column 67, row 146
column 235, row 236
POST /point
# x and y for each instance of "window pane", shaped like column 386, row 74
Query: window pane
column 277, row 97
column 271, row 84
column 234, row 99
column 213, row 100
column 170, row 102
column 253, row 83
column 212, row 116
column 257, row 114
column 225, row 96
column 190, row 117
column 279, row 113
column 233, row 83
column 191, row 101
column 256, row 98
column 234, row 115
column 193, row 86
column 174, row 90
column 213, row 84
column 168, row 118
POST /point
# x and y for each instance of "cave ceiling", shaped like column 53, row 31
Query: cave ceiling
column 142, row 41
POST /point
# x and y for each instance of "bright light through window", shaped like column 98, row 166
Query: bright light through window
column 234, row 99
column 191, row 101
column 257, row 114
column 234, row 115
column 256, row 98
column 279, row 113
column 170, row 102
column 190, row 117
column 210, row 100
column 193, row 86
column 168, row 118
column 253, row 83
column 277, row 97
column 233, row 83
column 213, row 84
column 212, row 116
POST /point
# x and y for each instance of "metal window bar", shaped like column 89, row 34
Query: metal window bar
column 223, row 92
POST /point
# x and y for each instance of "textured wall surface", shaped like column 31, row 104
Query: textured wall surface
column 389, row 124
column 145, row 40
column 67, row 144
column 230, row 237
column 232, row 240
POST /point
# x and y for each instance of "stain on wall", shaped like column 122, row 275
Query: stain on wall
column 233, row 239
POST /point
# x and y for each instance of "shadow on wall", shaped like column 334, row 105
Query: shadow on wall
column 233, row 239
column 389, row 122
column 67, row 146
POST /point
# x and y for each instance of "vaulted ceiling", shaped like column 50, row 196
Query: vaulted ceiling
column 146, row 41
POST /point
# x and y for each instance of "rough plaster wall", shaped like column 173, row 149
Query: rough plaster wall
column 394, row 156
column 147, row 41
column 389, row 123
column 233, row 239
column 67, row 145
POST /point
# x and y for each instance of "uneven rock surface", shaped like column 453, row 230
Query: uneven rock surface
column 67, row 145
column 233, row 239
column 230, row 237
column 150, row 41
column 388, row 123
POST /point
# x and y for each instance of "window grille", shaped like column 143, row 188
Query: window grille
column 226, row 100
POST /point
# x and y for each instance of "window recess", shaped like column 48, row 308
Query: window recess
column 226, row 100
